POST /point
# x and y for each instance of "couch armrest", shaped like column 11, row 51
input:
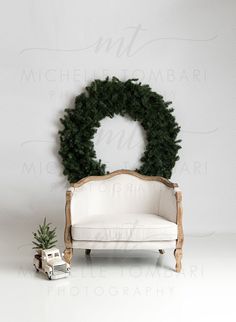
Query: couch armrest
column 179, row 215
column 170, row 207
column 67, row 231
column 167, row 207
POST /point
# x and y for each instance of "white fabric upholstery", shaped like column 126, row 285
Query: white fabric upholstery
column 123, row 212
column 124, row 227
column 120, row 195
column 151, row 245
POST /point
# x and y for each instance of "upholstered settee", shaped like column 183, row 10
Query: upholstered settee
column 124, row 210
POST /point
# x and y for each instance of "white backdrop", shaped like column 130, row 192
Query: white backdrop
column 50, row 50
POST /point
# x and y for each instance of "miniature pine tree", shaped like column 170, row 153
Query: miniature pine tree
column 45, row 237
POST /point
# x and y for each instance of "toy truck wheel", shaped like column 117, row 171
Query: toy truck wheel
column 36, row 268
column 87, row 252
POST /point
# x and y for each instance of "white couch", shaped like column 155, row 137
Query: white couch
column 124, row 210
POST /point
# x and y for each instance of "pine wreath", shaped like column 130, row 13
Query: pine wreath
column 109, row 97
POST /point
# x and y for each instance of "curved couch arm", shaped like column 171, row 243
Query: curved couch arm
column 67, row 231
column 167, row 207
column 170, row 207
column 179, row 215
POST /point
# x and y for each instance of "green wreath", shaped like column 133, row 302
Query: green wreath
column 107, row 98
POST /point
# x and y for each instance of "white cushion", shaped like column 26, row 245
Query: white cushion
column 122, row 194
column 124, row 227
column 124, row 245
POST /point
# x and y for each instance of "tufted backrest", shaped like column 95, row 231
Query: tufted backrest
column 123, row 192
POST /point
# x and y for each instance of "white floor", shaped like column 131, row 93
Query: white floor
column 122, row 286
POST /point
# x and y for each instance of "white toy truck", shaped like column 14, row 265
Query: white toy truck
column 50, row 263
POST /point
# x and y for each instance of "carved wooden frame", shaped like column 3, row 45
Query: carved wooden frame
column 180, row 234
column 68, row 253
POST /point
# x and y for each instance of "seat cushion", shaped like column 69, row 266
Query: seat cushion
column 128, row 227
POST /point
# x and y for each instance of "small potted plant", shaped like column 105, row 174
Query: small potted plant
column 48, row 259
column 45, row 238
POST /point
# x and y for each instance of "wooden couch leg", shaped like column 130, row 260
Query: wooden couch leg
column 68, row 253
column 161, row 251
column 87, row 251
column 178, row 256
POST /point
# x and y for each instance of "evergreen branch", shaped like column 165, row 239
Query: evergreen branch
column 45, row 237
